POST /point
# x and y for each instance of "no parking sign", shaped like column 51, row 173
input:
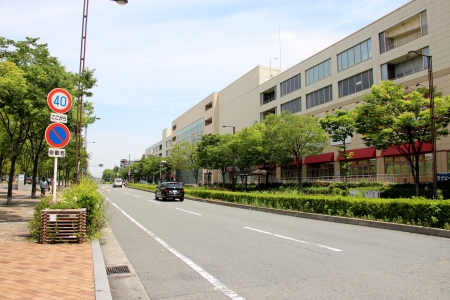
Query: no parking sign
column 57, row 135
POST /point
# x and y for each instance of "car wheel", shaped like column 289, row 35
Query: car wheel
column 162, row 197
column 181, row 199
column 156, row 197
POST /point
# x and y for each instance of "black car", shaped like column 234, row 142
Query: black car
column 167, row 190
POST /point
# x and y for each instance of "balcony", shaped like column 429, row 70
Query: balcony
column 401, row 42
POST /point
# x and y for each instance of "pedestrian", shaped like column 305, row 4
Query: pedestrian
column 44, row 186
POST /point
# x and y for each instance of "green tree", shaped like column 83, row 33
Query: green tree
column 205, row 160
column 184, row 156
column 392, row 117
column 295, row 136
column 246, row 144
column 340, row 125
column 222, row 155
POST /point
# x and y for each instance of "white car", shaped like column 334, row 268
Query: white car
column 118, row 182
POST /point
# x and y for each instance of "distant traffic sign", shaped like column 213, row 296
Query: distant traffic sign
column 57, row 135
column 59, row 100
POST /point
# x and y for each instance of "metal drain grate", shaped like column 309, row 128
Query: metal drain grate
column 117, row 270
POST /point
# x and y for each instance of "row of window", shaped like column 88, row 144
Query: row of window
column 355, row 55
column 319, row 97
column 290, row 85
column 293, row 106
column 356, row 83
column 318, row 72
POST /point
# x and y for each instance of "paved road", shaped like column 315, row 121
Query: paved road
column 195, row 250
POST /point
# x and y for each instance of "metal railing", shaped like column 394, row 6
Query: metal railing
column 404, row 41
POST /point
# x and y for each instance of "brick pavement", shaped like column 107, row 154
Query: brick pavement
column 34, row 271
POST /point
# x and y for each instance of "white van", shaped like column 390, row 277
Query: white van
column 118, row 182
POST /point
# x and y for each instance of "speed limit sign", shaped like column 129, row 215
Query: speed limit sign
column 59, row 100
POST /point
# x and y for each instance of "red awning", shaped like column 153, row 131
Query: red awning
column 360, row 153
column 426, row 148
column 324, row 157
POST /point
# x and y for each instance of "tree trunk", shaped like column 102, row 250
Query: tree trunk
column 33, row 179
column 299, row 173
column 11, row 179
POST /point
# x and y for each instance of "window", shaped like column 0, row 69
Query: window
column 174, row 127
column 208, row 121
column 167, row 152
column 355, row 55
column 359, row 82
column 268, row 95
column 290, row 85
column 424, row 22
column 318, row 72
column 319, row 97
column 293, row 106
column 168, row 143
column 208, row 106
column 414, row 64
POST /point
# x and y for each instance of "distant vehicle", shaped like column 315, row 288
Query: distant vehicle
column 118, row 182
column 143, row 182
column 173, row 190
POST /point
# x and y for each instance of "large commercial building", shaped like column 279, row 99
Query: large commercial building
column 336, row 78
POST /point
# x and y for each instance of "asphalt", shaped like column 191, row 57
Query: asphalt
column 31, row 270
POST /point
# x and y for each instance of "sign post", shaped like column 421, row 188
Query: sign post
column 57, row 134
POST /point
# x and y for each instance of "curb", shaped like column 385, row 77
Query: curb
column 352, row 221
column 102, row 290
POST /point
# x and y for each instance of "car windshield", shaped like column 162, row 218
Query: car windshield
column 174, row 185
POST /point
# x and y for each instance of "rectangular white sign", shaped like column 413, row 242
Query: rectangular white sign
column 56, row 152
column 58, row 118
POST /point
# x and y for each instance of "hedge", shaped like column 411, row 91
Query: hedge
column 427, row 213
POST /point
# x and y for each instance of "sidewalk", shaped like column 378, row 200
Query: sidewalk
column 35, row 271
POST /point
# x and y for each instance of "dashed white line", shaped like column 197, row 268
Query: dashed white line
column 137, row 196
column 214, row 281
column 127, row 193
column 189, row 212
column 157, row 202
column 292, row 239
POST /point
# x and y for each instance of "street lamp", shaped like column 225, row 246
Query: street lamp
column 432, row 116
column 271, row 65
column 233, row 185
column 160, row 166
column 80, row 87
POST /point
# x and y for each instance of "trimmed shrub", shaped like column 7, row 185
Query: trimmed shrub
column 83, row 195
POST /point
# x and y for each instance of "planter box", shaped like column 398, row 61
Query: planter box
column 63, row 226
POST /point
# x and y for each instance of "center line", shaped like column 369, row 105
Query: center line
column 291, row 239
column 214, row 281
column 189, row 212
column 137, row 196
column 127, row 193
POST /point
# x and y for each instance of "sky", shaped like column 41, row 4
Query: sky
column 156, row 59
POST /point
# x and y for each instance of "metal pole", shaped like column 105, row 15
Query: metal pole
column 80, row 91
column 55, row 168
column 433, row 124
column 129, row 162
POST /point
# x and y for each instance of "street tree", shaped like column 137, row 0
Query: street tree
column 393, row 117
column 295, row 136
column 184, row 156
column 340, row 126
column 205, row 160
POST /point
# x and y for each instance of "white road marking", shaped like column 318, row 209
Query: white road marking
column 189, row 212
column 137, row 196
column 157, row 202
column 127, row 193
column 214, row 281
column 291, row 239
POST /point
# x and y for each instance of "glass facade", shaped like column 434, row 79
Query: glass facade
column 192, row 133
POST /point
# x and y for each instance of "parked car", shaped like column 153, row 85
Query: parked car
column 172, row 190
column 118, row 182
